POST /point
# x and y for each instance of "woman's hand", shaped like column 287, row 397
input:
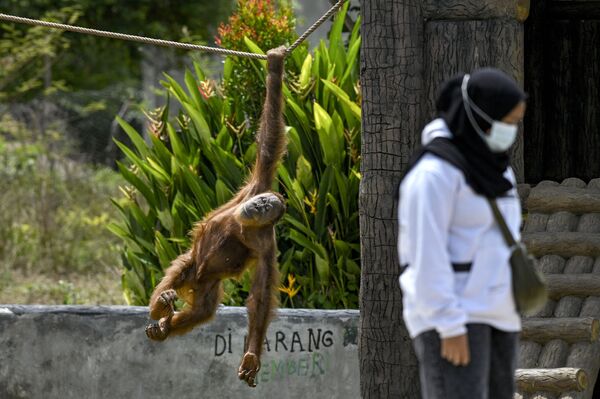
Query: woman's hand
column 456, row 350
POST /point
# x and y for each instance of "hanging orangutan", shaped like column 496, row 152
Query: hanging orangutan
column 238, row 235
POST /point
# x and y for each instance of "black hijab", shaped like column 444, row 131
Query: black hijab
column 496, row 94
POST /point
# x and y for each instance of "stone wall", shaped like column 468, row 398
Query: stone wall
column 102, row 352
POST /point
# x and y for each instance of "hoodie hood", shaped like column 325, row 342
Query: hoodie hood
column 434, row 129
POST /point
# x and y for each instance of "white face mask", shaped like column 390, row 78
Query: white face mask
column 502, row 135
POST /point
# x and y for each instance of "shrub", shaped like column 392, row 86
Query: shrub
column 196, row 161
column 267, row 24
column 53, row 211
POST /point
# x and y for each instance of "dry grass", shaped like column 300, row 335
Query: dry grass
column 103, row 288
column 54, row 244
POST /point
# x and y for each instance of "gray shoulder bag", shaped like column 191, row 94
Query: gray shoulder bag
column 529, row 285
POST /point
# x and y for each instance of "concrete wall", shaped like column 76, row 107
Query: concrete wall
column 102, row 352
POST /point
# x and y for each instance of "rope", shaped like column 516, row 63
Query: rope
column 168, row 43
column 133, row 38
column 314, row 26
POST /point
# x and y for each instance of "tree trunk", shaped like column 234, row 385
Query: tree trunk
column 392, row 31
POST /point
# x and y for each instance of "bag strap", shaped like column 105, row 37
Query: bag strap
column 508, row 237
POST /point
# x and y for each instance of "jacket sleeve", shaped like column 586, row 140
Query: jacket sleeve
column 429, row 201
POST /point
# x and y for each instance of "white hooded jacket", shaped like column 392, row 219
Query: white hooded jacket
column 443, row 221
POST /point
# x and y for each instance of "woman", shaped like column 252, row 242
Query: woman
column 455, row 278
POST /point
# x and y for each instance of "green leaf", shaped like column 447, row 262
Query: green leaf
column 325, row 186
column 224, row 139
column 183, row 203
column 298, row 193
column 315, row 247
column 229, row 168
column 331, row 143
column 322, row 268
column 192, row 86
column 200, row 193
column 199, row 128
column 355, row 35
column 133, row 283
column 179, row 149
column 342, row 248
column 305, row 75
column 159, row 192
column 300, row 115
column 332, row 201
column 352, row 267
column 130, row 155
column 177, row 90
column 335, row 32
column 250, row 154
column 199, row 72
column 206, row 173
column 164, row 249
column 227, row 68
column 300, row 226
column 161, row 154
column 254, row 48
column 118, row 231
column 166, row 219
column 336, row 47
column 137, row 217
column 304, row 173
column 295, row 197
column 341, row 95
column 157, row 171
column 294, row 145
column 351, row 61
column 142, row 187
column 134, row 136
column 342, row 186
column 222, row 192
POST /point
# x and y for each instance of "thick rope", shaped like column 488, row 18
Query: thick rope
column 168, row 43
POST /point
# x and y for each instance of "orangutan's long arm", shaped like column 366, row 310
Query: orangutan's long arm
column 270, row 139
